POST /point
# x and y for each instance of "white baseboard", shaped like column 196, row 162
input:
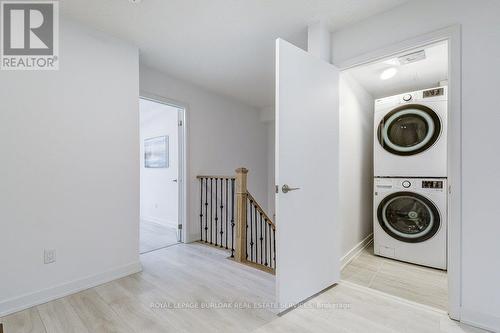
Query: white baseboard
column 481, row 320
column 355, row 251
column 46, row 295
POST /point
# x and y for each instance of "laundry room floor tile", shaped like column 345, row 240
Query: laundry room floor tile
column 415, row 283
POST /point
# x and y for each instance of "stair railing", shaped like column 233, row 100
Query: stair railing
column 217, row 211
column 231, row 218
column 262, row 231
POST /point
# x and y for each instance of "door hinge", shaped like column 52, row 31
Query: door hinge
column 180, row 122
column 179, row 226
column 276, row 189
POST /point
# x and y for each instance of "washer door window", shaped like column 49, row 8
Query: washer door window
column 408, row 217
column 409, row 130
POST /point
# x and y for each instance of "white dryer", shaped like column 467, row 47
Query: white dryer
column 410, row 220
column 411, row 134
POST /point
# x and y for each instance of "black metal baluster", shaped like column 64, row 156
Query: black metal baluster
column 246, row 229
column 270, row 246
column 251, row 230
column 232, row 218
column 261, row 239
column 211, row 210
column 201, row 208
column 216, row 217
column 265, row 243
column 256, row 231
column 221, row 212
column 206, row 210
column 274, row 248
column 227, row 204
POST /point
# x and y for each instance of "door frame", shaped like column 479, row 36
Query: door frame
column 452, row 35
column 182, row 158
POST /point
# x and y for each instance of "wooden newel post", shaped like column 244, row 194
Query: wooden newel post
column 241, row 214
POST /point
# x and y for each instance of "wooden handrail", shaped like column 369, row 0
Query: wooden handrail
column 218, row 177
column 261, row 211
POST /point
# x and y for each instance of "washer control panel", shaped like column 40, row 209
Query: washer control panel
column 437, row 184
column 387, row 184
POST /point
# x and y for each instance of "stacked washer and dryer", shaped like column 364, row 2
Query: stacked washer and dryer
column 410, row 185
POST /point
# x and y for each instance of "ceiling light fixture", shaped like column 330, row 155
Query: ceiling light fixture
column 388, row 73
column 391, row 62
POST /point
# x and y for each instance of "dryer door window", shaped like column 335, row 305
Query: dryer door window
column 409, row 130
column 408, row 217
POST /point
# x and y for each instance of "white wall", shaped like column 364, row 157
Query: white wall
column 356, row 164
column 480, row 118
column 69, row 173
column 159, row 192
column 223, row 135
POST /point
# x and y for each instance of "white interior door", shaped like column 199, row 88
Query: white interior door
column 307, row 152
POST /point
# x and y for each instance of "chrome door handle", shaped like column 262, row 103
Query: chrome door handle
column 285, row 188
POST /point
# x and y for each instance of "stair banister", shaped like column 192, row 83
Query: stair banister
column 241, row 214
column 237, row 222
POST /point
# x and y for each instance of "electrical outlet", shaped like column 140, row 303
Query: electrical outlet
column 49, row 256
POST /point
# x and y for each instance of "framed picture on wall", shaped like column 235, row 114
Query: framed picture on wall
column 156, row 153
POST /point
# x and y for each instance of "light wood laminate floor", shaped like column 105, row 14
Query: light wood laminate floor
column 195, row 274
column 184, row 276
column 415, row 283
column 154, row 236
column 363, row 310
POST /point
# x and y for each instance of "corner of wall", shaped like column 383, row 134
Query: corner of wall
column 355, row 251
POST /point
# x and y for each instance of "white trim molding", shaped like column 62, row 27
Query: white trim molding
column 46, row 295
column 355, row 251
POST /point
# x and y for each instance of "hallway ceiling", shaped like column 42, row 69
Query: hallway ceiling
column 224, row 46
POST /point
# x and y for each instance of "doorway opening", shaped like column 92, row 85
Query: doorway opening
column 161, row 174
column 394, row 174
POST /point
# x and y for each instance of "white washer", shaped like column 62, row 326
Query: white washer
column 410, row 135
column 410, row 220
